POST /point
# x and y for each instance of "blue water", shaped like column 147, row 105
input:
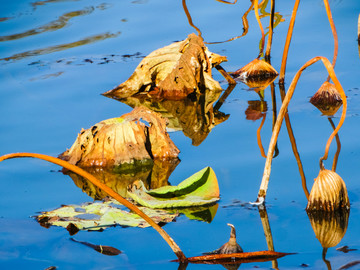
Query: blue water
column 57, row 57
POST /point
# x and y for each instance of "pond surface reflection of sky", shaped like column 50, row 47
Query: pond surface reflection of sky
column 57, row 57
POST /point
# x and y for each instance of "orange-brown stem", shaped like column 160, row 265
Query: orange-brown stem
column 287, row 42
column 333, row 30
column 283, row 111
column 189, row 17
column 256, row 9
column 271, row 28
column 109, row 191
column 258, row 135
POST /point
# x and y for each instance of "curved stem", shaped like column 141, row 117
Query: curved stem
column 338, row 144
column 256, row 9
column 189, row 18
column 287, row 42
column 283, row 111
column 333, row 29
column 258, row 135
column 108, row 190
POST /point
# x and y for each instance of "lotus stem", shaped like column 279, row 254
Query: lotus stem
column 283, row 110
column 333, row 30
column 271, row 28
column 338, row 144
column 256, row 9
column 176, row 249
column 189, row 18
column 287, row 42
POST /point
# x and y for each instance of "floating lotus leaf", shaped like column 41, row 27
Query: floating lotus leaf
column 122, row 140
column 199, row 189
column 100, row 215
column 174, row 71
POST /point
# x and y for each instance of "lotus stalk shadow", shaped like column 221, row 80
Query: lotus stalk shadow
column 283, row 110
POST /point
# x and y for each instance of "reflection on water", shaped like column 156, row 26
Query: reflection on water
column 155, row 174
column 61, row 47
column 44, row 2
column 51, row 26
column 193, row 115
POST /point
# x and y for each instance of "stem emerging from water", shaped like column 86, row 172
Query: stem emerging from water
column 283, row 111
column 109, row 191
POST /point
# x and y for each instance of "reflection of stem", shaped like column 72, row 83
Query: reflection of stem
column 287, row 42
column 225, row 75
column 338, row 143
column 189, row 18
column 259, row 137
column 256, row 9
column 267, row 231
column 227, row 2
column 271, row 27
column 294, row 147
column 109, row 191
column 282, row 113
column 273, row 100
column 327, row 262
column 224, row 96
column 245, row 27
column 333, row 29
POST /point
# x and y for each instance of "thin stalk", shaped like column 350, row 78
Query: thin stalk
column 245, row 27
column 189, row 18
column 294, row 147
column 283, row 110
column 287, row 42
column 108, row 190
column 258, row 135
column 333, row 30
column 256, row 9
column 267, row 231
column 338, row 144
column 271, row 28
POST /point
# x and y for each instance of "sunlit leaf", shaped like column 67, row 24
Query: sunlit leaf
column 122, row 140
column 199, row 189
column 100, row 215
column 174, row 71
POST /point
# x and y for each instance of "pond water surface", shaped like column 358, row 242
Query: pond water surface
column 58, row 56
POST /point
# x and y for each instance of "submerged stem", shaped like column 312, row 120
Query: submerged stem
column 108, row 190
column 283, row 111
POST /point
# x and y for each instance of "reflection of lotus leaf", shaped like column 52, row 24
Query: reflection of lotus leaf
column 154, row 174
column 329, row 227
column 194, row 116
column 256, row 109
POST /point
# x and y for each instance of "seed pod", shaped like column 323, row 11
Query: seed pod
column 327, row 99
column 328, row 193
column 256, row 69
